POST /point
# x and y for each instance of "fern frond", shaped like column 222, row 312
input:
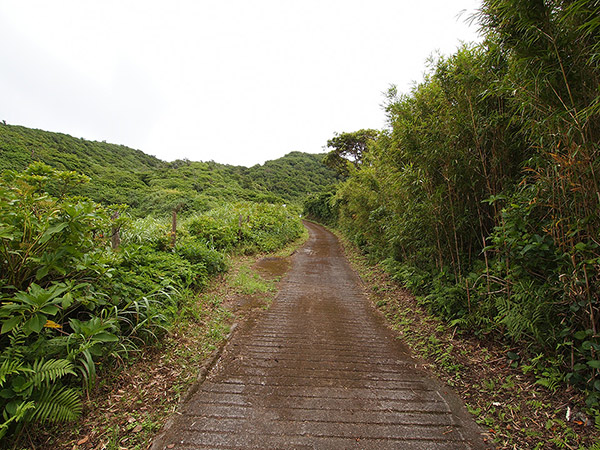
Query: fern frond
column 9, row 367
column 57, row 404
column 16, row 347
column 45, row 372
column 551, row 384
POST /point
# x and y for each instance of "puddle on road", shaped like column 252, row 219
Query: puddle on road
column 272, row 267
column 246, row 303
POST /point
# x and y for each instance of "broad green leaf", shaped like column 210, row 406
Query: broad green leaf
column 106, row 337
column 36, row 323
column 7, row 393
column 50, row 309
column 42, row 272
column 595, row 364
column 11, row 408
column 19, row 383
column 67, row 300
column 51, row 231
column 580, row 335
column 7, row 233
column 9, row 324
column 526, row 248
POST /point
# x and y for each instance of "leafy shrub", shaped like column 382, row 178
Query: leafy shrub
column 158, row 268
column 218, row 232
column 197, row 252
column 68, row 302
column 246, row 227
column 321, row 207
column 486, row 181
column 150, row 231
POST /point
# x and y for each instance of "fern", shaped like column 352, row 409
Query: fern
column 549, row 383
column 45, row 372
column 40, row 397
column 9, row 367
column 520, row 315
column 14, row 350
column 57, row 404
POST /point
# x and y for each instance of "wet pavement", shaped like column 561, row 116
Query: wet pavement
column 319, row 370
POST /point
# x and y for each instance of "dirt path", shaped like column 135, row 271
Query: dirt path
column 320, row 369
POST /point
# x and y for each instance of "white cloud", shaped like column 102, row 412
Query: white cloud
column 234, row 81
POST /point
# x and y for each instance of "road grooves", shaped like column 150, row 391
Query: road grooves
column 320, row 369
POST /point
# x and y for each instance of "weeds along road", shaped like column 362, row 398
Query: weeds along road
column 319, row 369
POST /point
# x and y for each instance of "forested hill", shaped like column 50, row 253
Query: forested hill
column 293, row 176
column 148, row 185
column 20, row 146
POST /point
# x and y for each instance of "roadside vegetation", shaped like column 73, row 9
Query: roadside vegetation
column 514, row 410
column 481, row 195
column 78, row 305
column 132, row 402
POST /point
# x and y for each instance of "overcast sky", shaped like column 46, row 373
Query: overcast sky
column 234, row 81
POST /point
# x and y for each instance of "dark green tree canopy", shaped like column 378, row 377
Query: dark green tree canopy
column 349, row 147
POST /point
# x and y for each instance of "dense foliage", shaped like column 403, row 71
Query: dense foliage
column 71, row 304
column 293, row 176
column 121, row 175
column 482, row 194
column 249, row 227
column 348, row 147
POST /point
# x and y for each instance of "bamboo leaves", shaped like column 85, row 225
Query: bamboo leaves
column 483, row 193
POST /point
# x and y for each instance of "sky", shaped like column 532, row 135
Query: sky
column 232, row 81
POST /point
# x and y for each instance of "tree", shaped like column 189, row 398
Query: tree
column 349, row 148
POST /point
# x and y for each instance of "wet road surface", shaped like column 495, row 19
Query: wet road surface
column 319, row 370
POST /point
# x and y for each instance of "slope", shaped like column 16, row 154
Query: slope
column 121, row 175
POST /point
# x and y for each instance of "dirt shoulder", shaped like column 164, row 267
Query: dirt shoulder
column 516, row 410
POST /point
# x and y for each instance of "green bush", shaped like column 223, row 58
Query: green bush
column 217, row 232
column 246, row 227
column 53, row 252
column 483, row 189
column 70, row 303
column 197, row 252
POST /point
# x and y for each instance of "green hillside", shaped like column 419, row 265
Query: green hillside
column 148, row 185
column 19, row 146
column 293, row 176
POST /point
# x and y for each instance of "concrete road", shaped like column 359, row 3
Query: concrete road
column 320, row 370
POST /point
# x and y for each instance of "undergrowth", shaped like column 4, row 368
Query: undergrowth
column 78, row 304
column 517, row 404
